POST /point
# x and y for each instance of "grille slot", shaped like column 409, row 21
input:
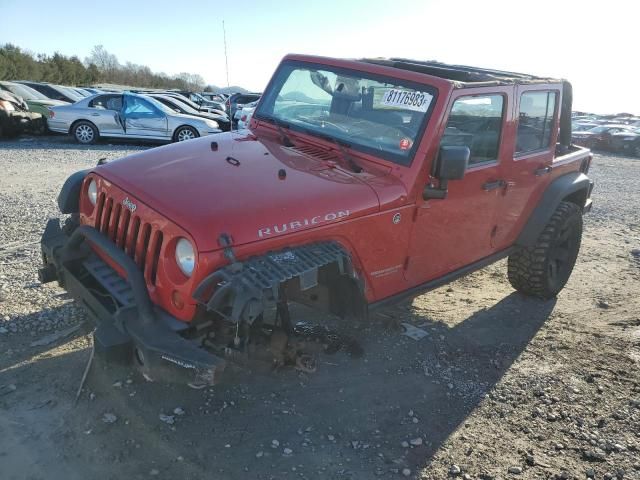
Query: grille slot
column 137, row 238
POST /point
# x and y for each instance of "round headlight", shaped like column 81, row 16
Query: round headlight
column 185, row 256
column 92, row 192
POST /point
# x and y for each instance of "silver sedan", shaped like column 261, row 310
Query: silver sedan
column 126, row 115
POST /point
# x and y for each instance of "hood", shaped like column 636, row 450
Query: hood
column 239, row 189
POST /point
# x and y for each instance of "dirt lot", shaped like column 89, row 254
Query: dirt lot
column 502, row 387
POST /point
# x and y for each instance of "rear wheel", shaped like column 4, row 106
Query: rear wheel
column 85, row 132
column 185, row 133
column 544, row 269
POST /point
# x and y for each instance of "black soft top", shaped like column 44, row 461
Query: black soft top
column 464, row 75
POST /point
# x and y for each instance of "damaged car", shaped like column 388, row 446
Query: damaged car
column 358, row 183
column 15, row 117
column 127, row 115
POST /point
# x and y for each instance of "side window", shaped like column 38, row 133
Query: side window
column 107, row 102
column 476, row 122
column 535, row 122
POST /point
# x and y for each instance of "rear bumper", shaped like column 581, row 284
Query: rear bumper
column 129, row 327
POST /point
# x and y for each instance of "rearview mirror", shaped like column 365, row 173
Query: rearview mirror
column 451, row 164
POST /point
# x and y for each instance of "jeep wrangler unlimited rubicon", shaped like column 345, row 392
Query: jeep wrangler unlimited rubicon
column 358, row 183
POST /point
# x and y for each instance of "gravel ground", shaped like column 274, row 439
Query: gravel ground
column 501, row 387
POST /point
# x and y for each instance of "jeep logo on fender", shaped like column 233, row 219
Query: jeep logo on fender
column 305, row 222
column 129, row 204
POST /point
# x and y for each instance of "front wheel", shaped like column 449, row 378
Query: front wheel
column 544, row 269
column 185, row 133
column 85, row 132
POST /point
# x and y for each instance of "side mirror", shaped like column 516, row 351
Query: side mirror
column 451, row 164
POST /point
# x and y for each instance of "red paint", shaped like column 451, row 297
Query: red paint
column 189, row 190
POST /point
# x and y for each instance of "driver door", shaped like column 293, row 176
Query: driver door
column 458, row 230
column 143, row 119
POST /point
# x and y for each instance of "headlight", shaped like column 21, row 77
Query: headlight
column 92, row 192
column 185, row 256
column 211, row 124
column 8, row 106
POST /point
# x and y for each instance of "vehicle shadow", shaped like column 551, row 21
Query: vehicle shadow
column 346, row 420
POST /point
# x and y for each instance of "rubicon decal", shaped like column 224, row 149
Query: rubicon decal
column 304, row 222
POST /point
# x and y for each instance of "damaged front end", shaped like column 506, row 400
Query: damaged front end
column 15, row 117
column 241, row 306
column 129, row 327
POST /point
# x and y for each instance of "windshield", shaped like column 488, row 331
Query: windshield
column 373, row 114
column 185, row 101
column 184, row 106
column 23, row 91
column 599, row 129
column 160, row 106
column 68, row 92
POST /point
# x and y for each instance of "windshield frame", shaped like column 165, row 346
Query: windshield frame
column 278, row 80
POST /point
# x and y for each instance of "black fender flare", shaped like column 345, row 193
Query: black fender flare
column 574, row 186
column 69, row 196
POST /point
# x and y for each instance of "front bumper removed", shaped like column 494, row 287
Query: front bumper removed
column 129, row 327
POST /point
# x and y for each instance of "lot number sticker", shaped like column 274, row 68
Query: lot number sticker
column 407, row 99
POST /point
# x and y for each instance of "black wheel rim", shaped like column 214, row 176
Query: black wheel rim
column 562, row 255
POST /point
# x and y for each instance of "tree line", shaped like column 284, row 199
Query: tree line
column 99, row 67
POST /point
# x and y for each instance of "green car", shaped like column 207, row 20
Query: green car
column 37, row 101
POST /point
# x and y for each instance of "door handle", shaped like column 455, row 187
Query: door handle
column 494, row 185
column 95, row 114
column 543, row 171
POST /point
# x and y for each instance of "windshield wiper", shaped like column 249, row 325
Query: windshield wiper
column 346, row 156
column 286, row 141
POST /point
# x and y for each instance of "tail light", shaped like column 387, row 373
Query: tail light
column 52, row 114
column 243, row 118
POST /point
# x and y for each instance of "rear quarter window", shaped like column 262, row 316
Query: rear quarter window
column 535, row 121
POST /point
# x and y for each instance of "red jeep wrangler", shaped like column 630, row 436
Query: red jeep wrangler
column 358, row 183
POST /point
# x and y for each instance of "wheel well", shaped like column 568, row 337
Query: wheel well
column 183, row 126
column 82, row 120
column 578, row 197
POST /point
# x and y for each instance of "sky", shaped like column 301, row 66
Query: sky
column 592, row 43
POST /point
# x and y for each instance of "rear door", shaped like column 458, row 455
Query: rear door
column 527, row 169
column 105, row 114
column 143, row 119
column 457, row 231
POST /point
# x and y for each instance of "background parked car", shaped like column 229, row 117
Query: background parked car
column 627, row 142
column 181, row 107
column 54, row 92
column 239, row 99
column 243, row 115
column 195, row 106
column 598, row 137
column 200, row 100
column 36, row 101
column 15, row 116
column 126, row 115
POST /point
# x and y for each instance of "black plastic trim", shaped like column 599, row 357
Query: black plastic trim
column 69, row 197
column 440, row 281
column 559, row 189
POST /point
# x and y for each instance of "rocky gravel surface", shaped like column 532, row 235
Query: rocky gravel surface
column 498, row 387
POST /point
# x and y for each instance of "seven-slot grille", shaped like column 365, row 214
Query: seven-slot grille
column 129, row 232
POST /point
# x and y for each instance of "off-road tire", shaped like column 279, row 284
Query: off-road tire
column 544, row 269
column 85, row 132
